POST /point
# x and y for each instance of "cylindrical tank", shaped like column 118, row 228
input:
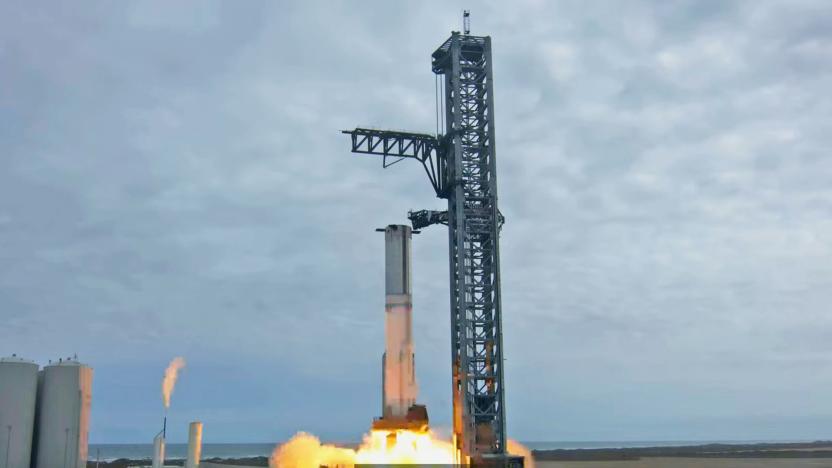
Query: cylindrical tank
column 159, row 451
column 18, row 396
column 194, row 445
column 64, row 415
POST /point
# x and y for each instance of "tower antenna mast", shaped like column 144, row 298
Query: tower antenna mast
column 466, row 21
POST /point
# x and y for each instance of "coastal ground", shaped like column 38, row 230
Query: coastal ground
column 663, row 463
column 751, row 455
column 692, row 463
column 659, row 462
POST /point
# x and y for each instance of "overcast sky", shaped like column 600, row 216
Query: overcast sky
column 173, row 182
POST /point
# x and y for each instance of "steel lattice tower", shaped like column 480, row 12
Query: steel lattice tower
column 461, row 166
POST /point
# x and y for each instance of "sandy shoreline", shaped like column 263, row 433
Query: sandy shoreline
column 772, row 455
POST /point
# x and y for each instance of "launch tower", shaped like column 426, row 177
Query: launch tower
column 460, row 161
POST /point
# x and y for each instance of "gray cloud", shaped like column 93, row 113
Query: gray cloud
column 172, row 181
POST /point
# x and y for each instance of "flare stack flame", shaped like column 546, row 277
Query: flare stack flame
column 170, row 379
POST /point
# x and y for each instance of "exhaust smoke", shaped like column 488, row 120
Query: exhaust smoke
column 408, row 447
column 306, row 451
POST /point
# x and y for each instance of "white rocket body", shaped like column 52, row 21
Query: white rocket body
column 399, row 376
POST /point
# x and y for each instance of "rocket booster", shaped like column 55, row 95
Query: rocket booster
column 399, row 374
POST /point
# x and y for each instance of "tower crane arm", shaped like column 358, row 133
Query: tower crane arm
column 395, row 146
column 424, row 218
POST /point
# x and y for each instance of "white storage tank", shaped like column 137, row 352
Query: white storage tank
column 18, row 395
column 64, row 415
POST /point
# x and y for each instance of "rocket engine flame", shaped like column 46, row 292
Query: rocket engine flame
column 404, row 447
column 380, row 447
column 170, row 379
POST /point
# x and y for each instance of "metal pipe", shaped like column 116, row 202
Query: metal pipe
column 159, row 451
column 159, row 446
column 194, row 445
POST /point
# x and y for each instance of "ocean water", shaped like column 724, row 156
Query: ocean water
column 108, row 452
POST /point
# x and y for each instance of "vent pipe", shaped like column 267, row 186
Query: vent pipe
column 159, row 446
column 194, row 445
